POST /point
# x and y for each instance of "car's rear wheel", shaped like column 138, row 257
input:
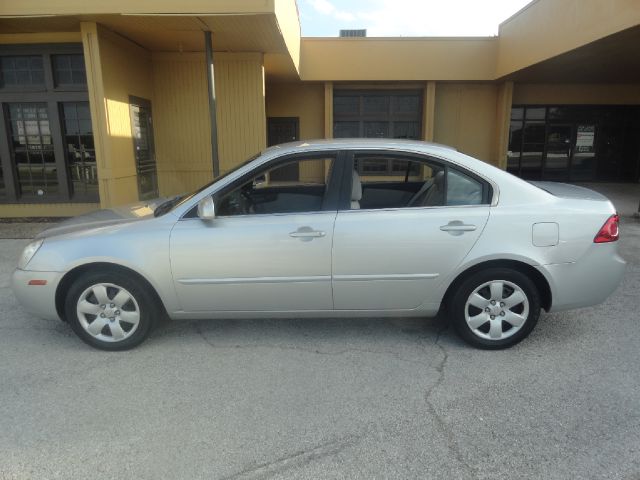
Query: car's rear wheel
column 110, row 310
column 495, row 308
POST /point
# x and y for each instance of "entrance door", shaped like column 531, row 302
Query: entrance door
column 283, row 130
column 144, row 149
column 559, row 149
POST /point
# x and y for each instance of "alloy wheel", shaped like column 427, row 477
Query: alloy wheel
column 496, row 310
column 108, row 312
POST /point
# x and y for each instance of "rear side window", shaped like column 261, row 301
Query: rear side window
column 387, row 180
column 462, row 189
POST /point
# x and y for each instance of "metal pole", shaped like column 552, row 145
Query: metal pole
column 211, row 87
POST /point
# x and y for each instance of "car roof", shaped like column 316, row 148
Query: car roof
column 356, row 143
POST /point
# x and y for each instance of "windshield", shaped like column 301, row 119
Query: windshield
column 178, row 200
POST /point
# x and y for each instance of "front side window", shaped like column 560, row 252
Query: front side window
column 390, row 181
column 297, row 186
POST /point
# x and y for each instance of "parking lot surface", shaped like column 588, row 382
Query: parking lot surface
column 364, row 398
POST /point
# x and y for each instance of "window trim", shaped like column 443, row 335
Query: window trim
column 52, row 96
column 488, row 189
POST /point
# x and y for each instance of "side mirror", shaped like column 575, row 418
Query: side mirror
column 206, row 209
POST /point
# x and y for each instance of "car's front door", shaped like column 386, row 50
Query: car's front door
column 389, row 256
column 269, row 247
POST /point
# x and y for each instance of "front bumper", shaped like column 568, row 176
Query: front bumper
column 588, row 281
column 40, row 300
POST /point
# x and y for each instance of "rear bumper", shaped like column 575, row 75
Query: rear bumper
column 40, row 300
column 586, row 282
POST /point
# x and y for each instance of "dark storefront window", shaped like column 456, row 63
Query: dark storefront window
column 46, row 138
column 575, row 143
column 21, row 71
column 69, row 70
column 81, row 154
column 377, row 114
column 32, row 148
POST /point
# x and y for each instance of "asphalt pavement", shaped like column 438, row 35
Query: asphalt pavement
column 315, row 399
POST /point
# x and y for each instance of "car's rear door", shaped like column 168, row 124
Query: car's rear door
column 269, row 247
column 391, row 258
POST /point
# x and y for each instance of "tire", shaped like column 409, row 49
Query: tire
column 494, row 308
column 124, row 309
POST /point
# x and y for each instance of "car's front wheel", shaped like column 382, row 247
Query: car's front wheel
column 495, row 308
column 110, row 310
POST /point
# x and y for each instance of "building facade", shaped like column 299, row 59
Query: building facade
column 105, row 104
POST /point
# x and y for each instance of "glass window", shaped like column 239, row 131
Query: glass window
column 390, row 181
column 32, row 149
column 21, row 71
column 269, row 191
column 346, row 129
column 79, row 148
column 3, row 188
column 378, row 114
column 68, row 69
column 535, row 113
column 462, row 189
column 346, row 104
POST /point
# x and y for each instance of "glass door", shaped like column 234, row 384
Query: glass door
column 144, row 150
column 559, row 148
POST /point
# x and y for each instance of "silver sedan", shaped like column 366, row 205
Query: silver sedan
column 332, row 228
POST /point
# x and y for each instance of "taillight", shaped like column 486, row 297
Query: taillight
column 609, row 231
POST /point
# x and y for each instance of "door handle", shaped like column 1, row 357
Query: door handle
column 307, row 233
column 456, row 227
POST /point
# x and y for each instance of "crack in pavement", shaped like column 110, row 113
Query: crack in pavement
column 452, row 444
column 394, row 355
column 295, row 459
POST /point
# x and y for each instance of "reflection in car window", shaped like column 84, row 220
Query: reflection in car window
column 462, row 189
column 295, row 187
column 390, row 181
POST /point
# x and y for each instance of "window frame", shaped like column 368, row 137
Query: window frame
column 390, row 117
column 53, row 96
column 330, row 201
column 345, row 193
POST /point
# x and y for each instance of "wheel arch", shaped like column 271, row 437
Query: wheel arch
column 67, row 280
column 539, row 280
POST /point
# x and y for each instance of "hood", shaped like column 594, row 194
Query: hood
column 105, row 217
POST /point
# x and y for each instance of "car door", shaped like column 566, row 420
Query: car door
column 269, row 247
column 389, row 258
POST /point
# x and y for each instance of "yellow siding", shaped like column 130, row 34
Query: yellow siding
column 375, row 59
column 41, row 37
column 302, row 100
column 240, row 107
column 19, row 210
column 546, row 28
column 565, row 94
column 465, row 118
column 116, row 69
column 182, row 127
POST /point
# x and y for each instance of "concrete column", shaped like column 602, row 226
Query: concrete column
column 328, row 109
column 428, row 110
column 503, row 118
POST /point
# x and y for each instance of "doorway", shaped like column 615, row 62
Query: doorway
column 144, row 148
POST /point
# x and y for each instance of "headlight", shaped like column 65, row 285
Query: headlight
column 28, row 253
